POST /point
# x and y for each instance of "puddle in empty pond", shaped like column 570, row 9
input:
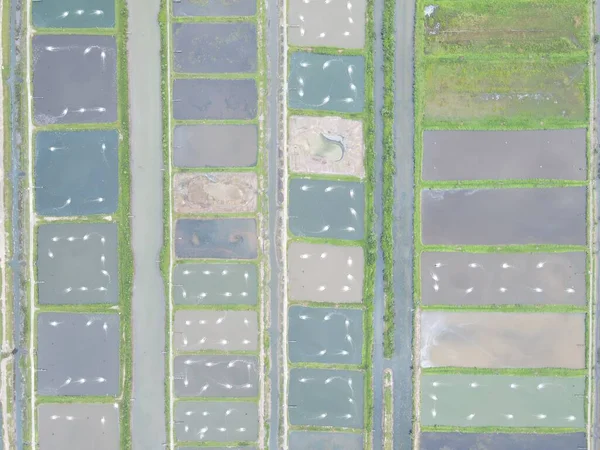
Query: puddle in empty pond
column 78, row 425
column 77, row 263
column 73, row 13
column 328, row 145
column 216, row 376
column 214, row 47
column 215, row 8
column 326, row 398
column 215, row 145
column 215, row 192
column 78, row 354
column 219, row 421
column 326, row 82
column 325, row 273
column 502, row 339
column 216, row 238
column 502, row 401
column 214, row 99
column 74, row 79
column 327, row 209
column 76, row 172
column 215, row 330
column 324, row 23
column 215, row 284
column 315, row 440
column 325, row 335
column 504, row 216
column 496, row 155
column 502, row 441
column 459, row 278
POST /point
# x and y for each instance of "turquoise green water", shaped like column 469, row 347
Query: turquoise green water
column 507, row 401
column 73, row 13
column 327, row 82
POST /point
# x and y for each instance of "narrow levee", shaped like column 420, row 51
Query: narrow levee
column 595, row 429
column 148, row 304
column 15, row 180
column 401, row 363
column 275, row 38
column 378, row 304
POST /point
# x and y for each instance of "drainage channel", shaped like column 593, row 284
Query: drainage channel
column 148, row 303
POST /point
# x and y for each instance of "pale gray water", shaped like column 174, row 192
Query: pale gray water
column 148, row 308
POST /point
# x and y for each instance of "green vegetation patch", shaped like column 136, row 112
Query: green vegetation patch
column 457, row 90
column 525, row 27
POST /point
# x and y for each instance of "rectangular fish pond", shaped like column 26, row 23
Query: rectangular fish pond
column 77, row 263
column 215, row 284
column 327, row 209
column 205, row 145
column 216, row 238
column 326, row 82
column 74, row 79
column 76, row 172
column 502, row 401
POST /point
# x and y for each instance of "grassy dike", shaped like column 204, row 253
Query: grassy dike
column 389, row 171
column 165, row 253
column 8, row 422
column 124, row 222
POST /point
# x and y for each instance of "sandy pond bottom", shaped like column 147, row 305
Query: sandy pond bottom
column 325, row 273
column 502, row 441
column 74, row 79
column 223, row 421
column 458, row 278
column 326, row 145
column 78, row 426
column 215, row 193
column 215, row 330
column 502, row 400
column 504, row 216
column 216, row 376
column 502, row 339
column 216, row 238
column 78, row 354
column 77, row 263
column 303, row 440
column 325, row 335
column 76, row 172
column 327, row 209
column 319, row 397
column 206, row 145
column 215, row 284
column 497, row 155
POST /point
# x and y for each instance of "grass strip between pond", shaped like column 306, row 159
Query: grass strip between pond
column 389, row 171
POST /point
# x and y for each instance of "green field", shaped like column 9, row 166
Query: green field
column 512, row 90
column 519, row 26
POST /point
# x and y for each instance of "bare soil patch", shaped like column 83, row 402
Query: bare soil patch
column 327, row 145
column 217, row 192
